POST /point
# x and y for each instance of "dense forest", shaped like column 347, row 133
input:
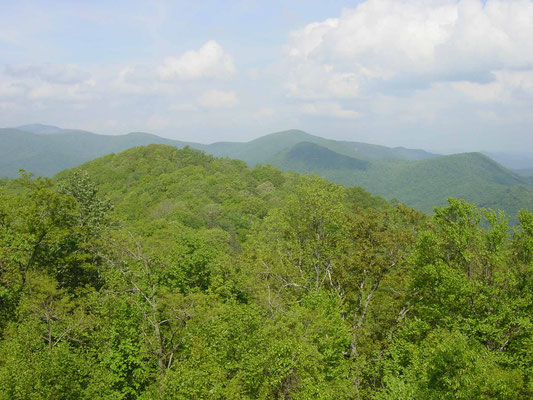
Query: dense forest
column 160, row 273
column 416, row 178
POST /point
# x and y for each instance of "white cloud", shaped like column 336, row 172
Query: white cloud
column 50, row 91
column 328, row 109
column 382, row 43
column 10, row 89
column 52, row 73
column 140, row 79
column 321, row 81
column 218, row 99
column 210, row 61
column 56, row 82
column 482, row 93
column 517, row 80
column 409, row 71
column 506, row 86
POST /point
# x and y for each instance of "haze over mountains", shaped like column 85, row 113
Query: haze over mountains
column 415, row 177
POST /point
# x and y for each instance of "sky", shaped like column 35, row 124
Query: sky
column 442, row 75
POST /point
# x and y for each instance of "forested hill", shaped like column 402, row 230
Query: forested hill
column 159, row 273
column 161, row 182
column 414, row 177
column 261, row 150
column 422, row 184
column 45, row 150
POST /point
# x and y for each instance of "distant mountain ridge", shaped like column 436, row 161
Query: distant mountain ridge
column 514, row 161
column 40, row 129
column 418, row 178
column 310, row 156
column 46, row 154
column 422, row 184
column 260, row 150
column 45, row 149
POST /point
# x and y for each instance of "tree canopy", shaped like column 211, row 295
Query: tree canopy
column 160, row 273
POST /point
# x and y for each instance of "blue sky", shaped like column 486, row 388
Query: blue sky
column 134, row 31
column 446, row 75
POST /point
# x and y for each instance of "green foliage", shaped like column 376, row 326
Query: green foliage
column 93, row 210
column 421, row 183
column 239, row 352
column 470, row 318
column 415, row 177
column 447, row 365
column 160, row 273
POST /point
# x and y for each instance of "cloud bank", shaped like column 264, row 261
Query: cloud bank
column 384, row 44
column 438, row 74
column 210, row 61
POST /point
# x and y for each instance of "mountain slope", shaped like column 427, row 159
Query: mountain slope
column 47, row 154
column 415, row 177
column 422, row 184
column 40, row 129
column 306, row 156
column 162, row 182
column 262, row 149
column 45, row 150
column 513, row 161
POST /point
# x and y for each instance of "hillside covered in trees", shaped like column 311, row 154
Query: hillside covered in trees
column 422, row 184
column 45, row 150
column 414, row 177
column 160, row 273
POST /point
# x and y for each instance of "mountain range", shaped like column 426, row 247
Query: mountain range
column 415, row 177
